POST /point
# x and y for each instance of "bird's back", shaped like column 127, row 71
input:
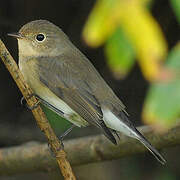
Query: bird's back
column 94, row 80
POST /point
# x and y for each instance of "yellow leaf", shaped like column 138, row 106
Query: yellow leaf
column 146, row 36
column 141, row 28
column 101, row 22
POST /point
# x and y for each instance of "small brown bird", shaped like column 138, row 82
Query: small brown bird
column 65, row 81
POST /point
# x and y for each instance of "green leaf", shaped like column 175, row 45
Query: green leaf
column 120, row 53
column 176, row 7
column 58, row 123
column 162, row 104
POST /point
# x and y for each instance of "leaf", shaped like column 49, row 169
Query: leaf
column 120, row 53
column 58, row 123
column 146, row 37
column 162, row 104
column 101, row 23
column 140, row 27
column 176, row 7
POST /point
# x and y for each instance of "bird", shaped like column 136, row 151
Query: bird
column 64, row 79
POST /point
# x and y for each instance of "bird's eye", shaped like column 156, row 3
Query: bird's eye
column 40, row 37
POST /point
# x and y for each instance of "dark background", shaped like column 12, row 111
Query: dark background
column 16, row 122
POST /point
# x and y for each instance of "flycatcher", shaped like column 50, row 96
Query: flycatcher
column 66, row 81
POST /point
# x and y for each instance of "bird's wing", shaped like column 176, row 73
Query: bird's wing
column 62, row 77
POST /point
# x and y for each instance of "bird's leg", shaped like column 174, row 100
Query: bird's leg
column 40, row 100
column 33, row 107
column 61, row 138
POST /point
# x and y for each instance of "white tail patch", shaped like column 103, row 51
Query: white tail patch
column 117, row 124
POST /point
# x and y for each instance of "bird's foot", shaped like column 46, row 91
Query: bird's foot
column 61, row 138
column 24, row 103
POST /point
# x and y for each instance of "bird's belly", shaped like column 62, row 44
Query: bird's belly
column 55, row 101
column 69, row 113
column 32, row 79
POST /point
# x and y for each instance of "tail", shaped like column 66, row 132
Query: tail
column 148, row 145
column 120, row 122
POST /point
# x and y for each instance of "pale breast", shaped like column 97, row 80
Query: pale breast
column 29, row 71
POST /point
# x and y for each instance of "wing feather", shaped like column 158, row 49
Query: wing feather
column 64, row 81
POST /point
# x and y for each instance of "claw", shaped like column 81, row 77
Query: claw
column 22, row 101
column 25, row 104
column 33, row 107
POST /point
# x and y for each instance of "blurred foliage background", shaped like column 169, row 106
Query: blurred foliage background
column 123, row 32
column 130, row 32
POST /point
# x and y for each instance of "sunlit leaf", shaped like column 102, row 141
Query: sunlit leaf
column 138, row 24
column 101, row 22
column 58, row 123
column 120, row 53
column 162, row 105
column 146, row 36
column 176, row 6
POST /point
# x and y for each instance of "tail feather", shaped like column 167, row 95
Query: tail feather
column 148, row 145
column 119, row 121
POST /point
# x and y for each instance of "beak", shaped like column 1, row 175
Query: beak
column 16, row 35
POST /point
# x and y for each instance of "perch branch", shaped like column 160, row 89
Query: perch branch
column 36, row 157
column 38, row 113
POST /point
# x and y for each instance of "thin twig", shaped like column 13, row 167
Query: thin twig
column 38, row 113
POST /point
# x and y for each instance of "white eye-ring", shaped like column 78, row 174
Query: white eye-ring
column 40, row 37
